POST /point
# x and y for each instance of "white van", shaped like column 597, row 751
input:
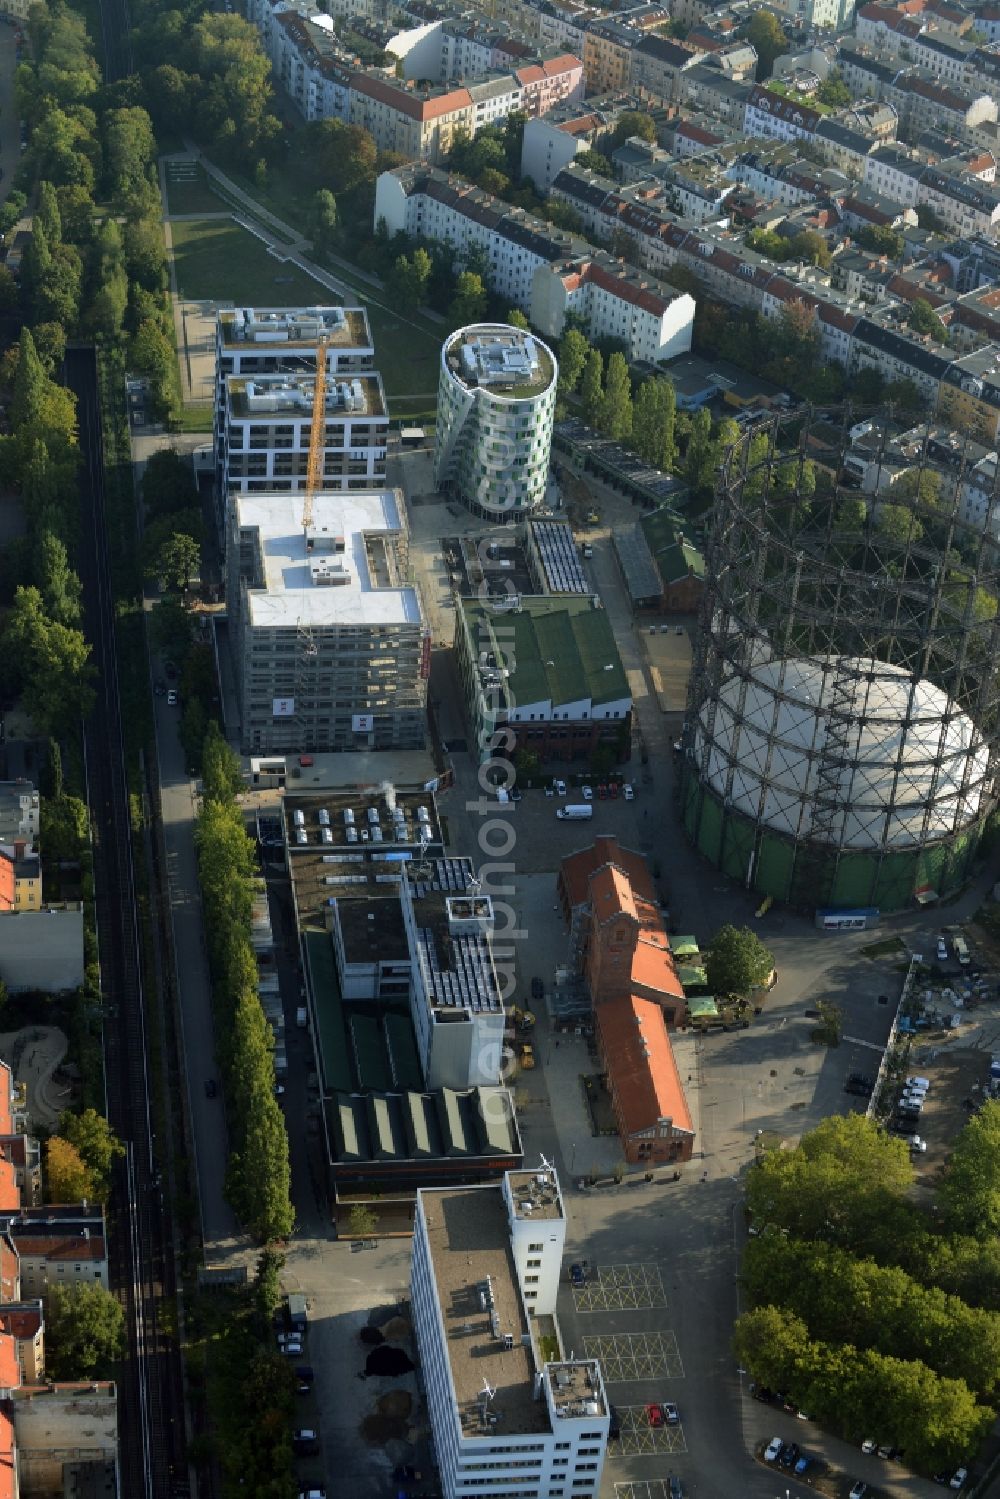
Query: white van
column 962, row 951
column 576, row 812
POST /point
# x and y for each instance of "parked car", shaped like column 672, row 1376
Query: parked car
column 676, row 1490
column 628, row 791
column 860, row 1084
column 587, row 792
column 290, row 1345
column 916, row 1143
column 172, row 698
column 305, row 1442
column 958, row 1478
column 790, row 1455
column 942, row 950
column 577, row 1275
column 654, row 1415
column 537, row 988
column 804, row 1463
column 559, row 787
column 671, row 1414
column 211, row 1087
column 858, row 1491
column 773, row 1450
column 923, row 1083
column 868, row 1446
column 319, row 1493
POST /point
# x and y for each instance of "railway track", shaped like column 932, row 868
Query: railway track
column 151, row 1396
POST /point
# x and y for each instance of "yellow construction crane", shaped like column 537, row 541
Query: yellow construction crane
column 314, row 468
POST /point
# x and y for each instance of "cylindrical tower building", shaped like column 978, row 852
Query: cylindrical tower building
column 841, row 740
column 496, row 402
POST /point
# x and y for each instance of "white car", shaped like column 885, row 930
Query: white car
column 587, row 792
column 560, row 787
column 628, row 792
column 916, row 1144
column 958, row 1478
column 773, row 1450
column 918, row 1083
column 172, row 698
column 942, row 950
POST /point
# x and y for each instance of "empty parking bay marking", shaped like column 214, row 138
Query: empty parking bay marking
column 622, row 1288
column 636, row 1355
column 639, row 1439
column 657, row 1489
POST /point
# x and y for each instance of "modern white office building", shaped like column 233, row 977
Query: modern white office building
column 496, row 402
column 265, row 432
column 266, row 362
column 327, row 633
column 505, row 1421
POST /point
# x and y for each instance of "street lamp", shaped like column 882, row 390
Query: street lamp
column 572, row 1161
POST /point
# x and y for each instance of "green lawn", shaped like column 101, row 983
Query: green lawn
column 189, row 189
column 216, row 260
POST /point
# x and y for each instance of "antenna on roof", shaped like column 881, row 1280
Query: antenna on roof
column 546, row 1164
column 487, row 1391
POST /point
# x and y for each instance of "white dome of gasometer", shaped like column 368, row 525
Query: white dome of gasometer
column 900, row 760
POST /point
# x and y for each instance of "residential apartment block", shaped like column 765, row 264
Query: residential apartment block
column 328, row 636
column 506, row 1416
column 545, row 272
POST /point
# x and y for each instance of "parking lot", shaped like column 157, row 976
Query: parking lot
column 641, row 1439
column 621, row 1288
column 626, row 1356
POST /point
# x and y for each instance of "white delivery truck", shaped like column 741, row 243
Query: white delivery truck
column 576, row 812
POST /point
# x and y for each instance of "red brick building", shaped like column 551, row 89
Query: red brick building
column 621, row 947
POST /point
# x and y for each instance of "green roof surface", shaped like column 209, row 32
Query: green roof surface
column 684, row 947
column 691, row 976
column 337, row 1070
column 561, row 649
column 701, row 1007
column 421, row 1126
column 675, row 556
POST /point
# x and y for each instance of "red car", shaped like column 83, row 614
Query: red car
column 655, row 1415
column 613, row 789
column 602, row 792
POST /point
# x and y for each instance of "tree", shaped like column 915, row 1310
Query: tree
column 592, row 386
column 737, row 961
column 168, row 483
column 517, row 319
column 632, row 123
column 362, row 1221
column 594, row 161
column 653, row 423
column 407, row 281
column 221, row 772
column 59, row 584
column 469, row 302
column 768, row 40
column 179, row 561
column 84, row 1331
column 67, row 1177
column 323, row 219
column 614, row 414
column 97, row 1145
column 336, row 156
column 883, row 240
column 699, row 462
column 267, row 1285
column 833, row 91
column 845, row 1183
column 573, row 352
column 53, row 662
column 970, row 1192
column 923, row 319
column 898, row 524
column 65, row 827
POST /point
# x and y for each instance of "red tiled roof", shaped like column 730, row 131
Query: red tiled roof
column 531, row 74
column 639, row 296
column 10, row 1194
column 6, row 1099
column 409, row 103
column 56, row 1247
column 564, row 63
column 642, row 1070
column 23, row 1323
column 577, row 869
column 697, row 133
